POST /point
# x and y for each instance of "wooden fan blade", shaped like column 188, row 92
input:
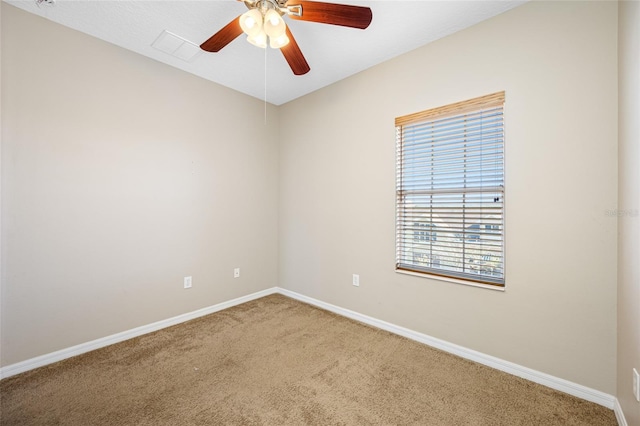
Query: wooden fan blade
column 334, row 14
column 223, row 37
column 294, row 56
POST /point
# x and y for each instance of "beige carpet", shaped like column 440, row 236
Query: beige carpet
column 276, row 361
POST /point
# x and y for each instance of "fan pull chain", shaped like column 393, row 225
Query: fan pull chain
column 265, row 86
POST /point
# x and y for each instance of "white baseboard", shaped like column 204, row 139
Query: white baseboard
column 619, row 414
column 30, row 364
column 553, row 382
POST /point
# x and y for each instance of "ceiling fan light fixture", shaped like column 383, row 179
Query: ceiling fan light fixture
column 259, row 40
column 274, row 25
column 278, row 42
column 263, row 25
column 251, row 22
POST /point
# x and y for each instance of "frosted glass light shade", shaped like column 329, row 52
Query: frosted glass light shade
column 259, row 40
column 278, row 42
column 251, row 22
column 274, row 25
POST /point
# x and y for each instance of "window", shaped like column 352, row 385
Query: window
column 450, row 191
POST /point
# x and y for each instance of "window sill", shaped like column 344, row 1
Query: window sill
column 451, row 280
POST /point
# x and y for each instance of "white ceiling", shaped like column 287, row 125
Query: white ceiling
column 332, row 52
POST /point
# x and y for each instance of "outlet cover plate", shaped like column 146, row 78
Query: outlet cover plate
column 187, row 282
column 636, row 385
column 356, row 280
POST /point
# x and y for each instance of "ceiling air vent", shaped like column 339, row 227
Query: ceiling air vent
column 177, row 46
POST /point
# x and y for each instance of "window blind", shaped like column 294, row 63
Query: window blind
column 450, row 191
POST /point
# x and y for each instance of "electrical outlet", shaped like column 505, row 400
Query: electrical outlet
column 356, row 280
column 236, row 273
column 636, row 385
column 187, row 282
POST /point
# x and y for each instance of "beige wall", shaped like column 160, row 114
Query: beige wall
column 629, row 205
column 1, row 248
column 557, row 62
column 121, row 176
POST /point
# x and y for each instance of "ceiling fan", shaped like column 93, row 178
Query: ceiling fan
column 264, row 20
